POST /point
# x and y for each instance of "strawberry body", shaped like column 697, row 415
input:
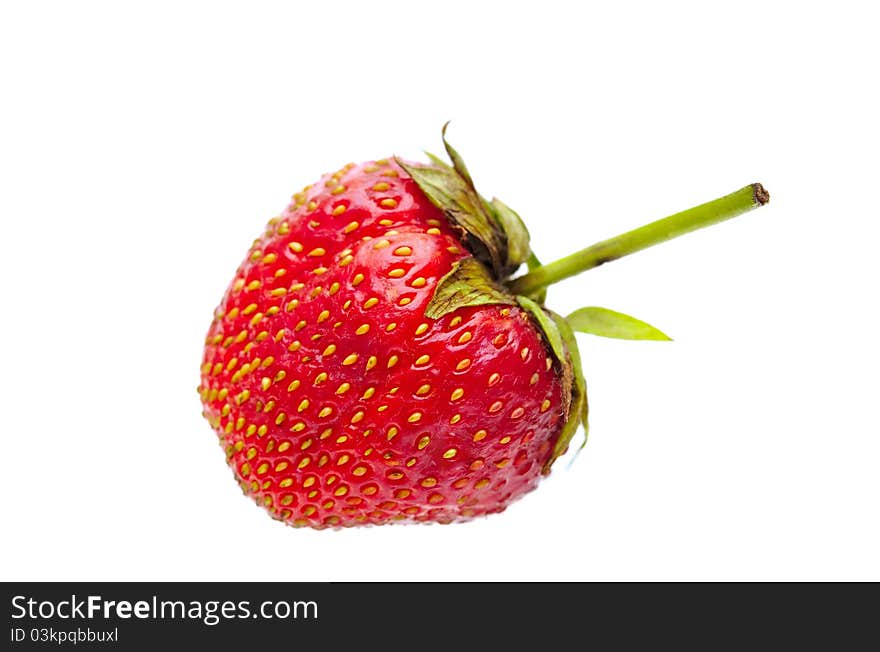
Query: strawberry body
column 339, row 402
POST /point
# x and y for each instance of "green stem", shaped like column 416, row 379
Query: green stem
column 718, row 210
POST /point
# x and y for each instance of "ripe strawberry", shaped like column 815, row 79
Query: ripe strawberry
column 368, row 364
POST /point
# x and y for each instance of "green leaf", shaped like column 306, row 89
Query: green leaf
column 518, row 250
column 608, row 323
column 457, row 160
column 547, row 326
column 491, row 231
column 467, row 284
column 450, row 192
column 436, row 160
column 579, row 410
column 533, row 263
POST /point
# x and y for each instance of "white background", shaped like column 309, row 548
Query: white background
column 144, row 145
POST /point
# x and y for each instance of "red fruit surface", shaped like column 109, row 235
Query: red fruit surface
column 338, row 402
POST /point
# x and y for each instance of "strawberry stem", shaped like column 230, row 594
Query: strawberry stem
column 718, row 210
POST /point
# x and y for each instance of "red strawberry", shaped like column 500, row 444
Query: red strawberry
column 368, row 364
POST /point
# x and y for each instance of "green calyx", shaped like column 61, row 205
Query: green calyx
column 499, row 245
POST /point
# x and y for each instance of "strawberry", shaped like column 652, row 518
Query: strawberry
column 372, row 361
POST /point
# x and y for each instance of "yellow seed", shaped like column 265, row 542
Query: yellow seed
column 386, row 223
column 392, row 433
column 270, row 258
column 423, row 360
column 251, row 453
column 497, row 405
column 455, row 418
column 463, row 364
column 304, row 463
column 404, row 301
column 433, row 231
column 397, row 272
column 414, row 417
column 323, row 316
column 325, row 412
column 524, row 353
column 317, row 251
column 363, row 328
column 320, row 378
column 504, row 440
column 390, row 327
column 480, row 435
column 253, row 285
column 351, row 226
column 419, row 282
column 421, row 328
column 369, row 303
column 262, row 468
column 392, row 361
column 371, row 362
column 312, row 205
column 534, row 379
column 251, row 307
column 369, row 393
column 453, row 250
column 465, row 337
column 429, row 482
column 481, row 483
column 277, row 292
column 350, row 359
column 265, row 383
column 381, row 186
column 358, row 278
column 344, row 387
column 295, row 247
column 449, row 454
column 286, row 482
column 303, row 405
column 402, row 251
column 358, row 416
column 319, row 270
column 381, row 244
column 339, row 210
column 494, row 378
column 359, row 470
column 517, row 413
column 281, row 466
column 245, row 469
column 330, row 350
column 424, row 389
column 423, row 442
column 388, row 202
column 338, row 190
